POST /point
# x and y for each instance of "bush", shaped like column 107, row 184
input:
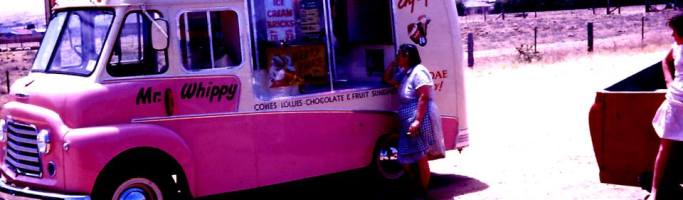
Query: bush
column 526, row 53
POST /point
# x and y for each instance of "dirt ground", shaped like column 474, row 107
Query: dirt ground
column 529, row 133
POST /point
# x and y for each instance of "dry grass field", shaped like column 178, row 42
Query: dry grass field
column 562, row 34
column 18, row 63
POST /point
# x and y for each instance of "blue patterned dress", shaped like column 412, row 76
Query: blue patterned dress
column 412, row 148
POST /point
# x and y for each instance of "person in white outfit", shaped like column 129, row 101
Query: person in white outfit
column 668, row 121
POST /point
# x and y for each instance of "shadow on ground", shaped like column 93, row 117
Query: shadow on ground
column 359, row 185
column 447, row 186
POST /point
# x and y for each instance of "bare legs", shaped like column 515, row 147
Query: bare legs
column 665, row 181
column 420, row 174
column 425, row 173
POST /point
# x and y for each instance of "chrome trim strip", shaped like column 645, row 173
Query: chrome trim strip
column 20, row 148
column 214, row 115
column 22, row 131
column 449, row 117
column 12, row 122
column 22, row 140
column 22, row 166
column 12, row 192
column 22, row 157
column 208, row 21
column 187, row 39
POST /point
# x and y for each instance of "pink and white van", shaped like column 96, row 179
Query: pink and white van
column 172, row 98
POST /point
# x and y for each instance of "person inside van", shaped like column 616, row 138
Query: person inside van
column 667, row 121
column 417, row 114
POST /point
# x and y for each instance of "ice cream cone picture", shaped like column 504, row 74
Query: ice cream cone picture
column 418, row 30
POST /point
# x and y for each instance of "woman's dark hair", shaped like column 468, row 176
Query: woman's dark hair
column 676, row 23
column 412, row 53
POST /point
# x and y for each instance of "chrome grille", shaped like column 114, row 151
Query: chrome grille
column 22, row 149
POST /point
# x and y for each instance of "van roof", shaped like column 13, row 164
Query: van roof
column 89, row 3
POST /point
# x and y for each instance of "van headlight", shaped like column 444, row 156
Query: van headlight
column 43, row 141
column 3, row 128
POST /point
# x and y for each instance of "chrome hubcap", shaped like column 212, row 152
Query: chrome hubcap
column 388, row 163
column 138, row 189
column 133, row 194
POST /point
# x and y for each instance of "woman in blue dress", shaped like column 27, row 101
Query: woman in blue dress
column 416, row 113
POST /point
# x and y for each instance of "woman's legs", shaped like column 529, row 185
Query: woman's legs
column 419, row 174
column 425, row 173
column 665, row 178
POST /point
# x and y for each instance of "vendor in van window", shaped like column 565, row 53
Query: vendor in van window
column 417, row 114
column 282, row 73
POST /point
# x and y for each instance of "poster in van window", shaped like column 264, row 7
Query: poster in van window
column 310, row 16
column 296, row 65
column 280, row 20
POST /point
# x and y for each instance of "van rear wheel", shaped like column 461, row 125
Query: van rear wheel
column 385, row 163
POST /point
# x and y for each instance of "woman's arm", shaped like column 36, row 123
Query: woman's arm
column 424, row 95
column 389, row 75
column 668, row 67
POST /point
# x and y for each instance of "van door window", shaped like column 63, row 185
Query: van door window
column 133, row 54
column 291, row 48
column 210, row 39
column 363, row 38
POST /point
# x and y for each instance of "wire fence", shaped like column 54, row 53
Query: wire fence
column 562, row 31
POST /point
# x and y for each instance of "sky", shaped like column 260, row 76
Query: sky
column 16, row 7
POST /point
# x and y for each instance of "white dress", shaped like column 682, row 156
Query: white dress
column 668, row 121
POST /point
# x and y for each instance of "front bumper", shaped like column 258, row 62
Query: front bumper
column 11, row 192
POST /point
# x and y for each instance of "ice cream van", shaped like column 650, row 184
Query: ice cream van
column 185, row 99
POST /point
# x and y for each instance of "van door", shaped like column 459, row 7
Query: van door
column 193, row 88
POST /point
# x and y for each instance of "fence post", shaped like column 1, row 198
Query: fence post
column 470, row 50
column 7, row 80
column 590, row 36
column 642, row 29
column 609, row 8
column 535, row 36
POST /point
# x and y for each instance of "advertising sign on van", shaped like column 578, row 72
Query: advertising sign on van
column 280, row 20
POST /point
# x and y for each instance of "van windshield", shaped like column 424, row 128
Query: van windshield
column 73, row 42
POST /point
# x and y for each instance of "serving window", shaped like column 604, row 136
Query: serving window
column 298, row 49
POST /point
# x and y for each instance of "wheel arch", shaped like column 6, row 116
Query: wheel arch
column 145, row 156
column 88, row 151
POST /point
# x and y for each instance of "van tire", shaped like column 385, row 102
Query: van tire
column 146, row 182
column 385, row 166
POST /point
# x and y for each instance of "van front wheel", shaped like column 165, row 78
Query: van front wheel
column 137, row 184
column 137, row 188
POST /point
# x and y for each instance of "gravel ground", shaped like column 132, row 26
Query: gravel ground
column 529, row 130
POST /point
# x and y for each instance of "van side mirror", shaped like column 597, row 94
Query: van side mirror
column 160, row 34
